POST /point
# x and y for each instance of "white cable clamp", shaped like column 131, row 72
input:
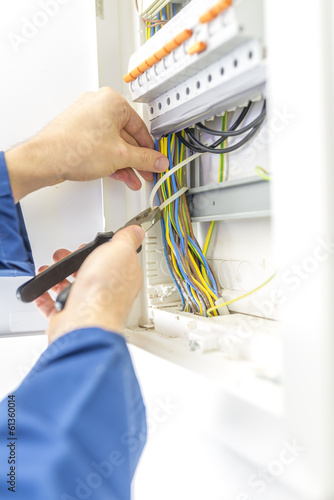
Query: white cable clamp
column 173, row 197
column 169, row 173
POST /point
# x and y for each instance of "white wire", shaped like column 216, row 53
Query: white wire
column 173, row 197
column 171, row 172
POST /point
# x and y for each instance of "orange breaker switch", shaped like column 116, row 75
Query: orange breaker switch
column 151, row 61
column 212, row 13
column 135, row 72
column 172, row 45
column 183, row 36
column 128, row 78
column 159, row 55
column 143, row 66
column 197, row 48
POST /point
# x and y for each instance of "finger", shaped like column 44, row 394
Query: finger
column 144, row 159
column 137, row 129
column 128, row 138
column 133, row 182
column 131, row 235
column 57, row 256
column 120, row 175
column 147, row 176
column 42, row 268
column 45, row 300
column 128, row 176
column 45, row 305
column 60, row 254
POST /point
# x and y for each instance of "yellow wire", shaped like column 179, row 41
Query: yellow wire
column 208, row 238
column 208, row 292
column 203, row 285
column 261, row 172
column 215, row 308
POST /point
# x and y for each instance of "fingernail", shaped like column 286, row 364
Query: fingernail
column 162, row 163
column 140, row 233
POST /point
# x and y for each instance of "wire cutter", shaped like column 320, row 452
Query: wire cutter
column 56, row 273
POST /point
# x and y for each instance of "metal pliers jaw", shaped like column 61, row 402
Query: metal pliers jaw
column 145, row 219
column 59, row 271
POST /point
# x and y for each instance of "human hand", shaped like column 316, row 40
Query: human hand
column 105, row 288
column 100, row 135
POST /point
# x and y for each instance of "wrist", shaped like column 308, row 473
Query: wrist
column 62, row 323
column 30, row 167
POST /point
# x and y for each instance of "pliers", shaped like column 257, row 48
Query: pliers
column 56, row 273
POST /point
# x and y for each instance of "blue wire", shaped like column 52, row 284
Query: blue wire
column 190, row 287
column 164, row 242
column 174, row 9
column 178, row 258
column 169, row 145
column 182, row 241
column 215, row 290
column 164, row 14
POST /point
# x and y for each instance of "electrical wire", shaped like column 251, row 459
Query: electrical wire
column 188, row 267
column 261, row 172
column 196, row 146
column 201, row 148
column 191, row 273
column 215, row 308
column 232, row 132
column 170, row 172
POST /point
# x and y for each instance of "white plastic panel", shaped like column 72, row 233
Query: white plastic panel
column 219, row 36
column 233, row 66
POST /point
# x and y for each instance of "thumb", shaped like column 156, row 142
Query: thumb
column 131, row 236
column 145, row 159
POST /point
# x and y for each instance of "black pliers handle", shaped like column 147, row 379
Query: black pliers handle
column 59, row 271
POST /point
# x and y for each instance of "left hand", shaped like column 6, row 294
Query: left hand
column 45, row 302
column 105, row 288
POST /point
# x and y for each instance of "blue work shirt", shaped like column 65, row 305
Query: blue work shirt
column 76, row 426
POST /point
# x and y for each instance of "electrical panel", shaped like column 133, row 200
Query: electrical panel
column 200, row 73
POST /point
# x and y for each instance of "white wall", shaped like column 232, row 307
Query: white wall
column 43, row 70
column 49, row 68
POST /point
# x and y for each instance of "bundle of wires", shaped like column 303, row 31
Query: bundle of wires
column 163, row 16
column 187, row 263
column 191, row 273
column 252, row 128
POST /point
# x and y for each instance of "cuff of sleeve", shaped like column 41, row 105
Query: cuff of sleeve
column 15, row 251
column 77, row 342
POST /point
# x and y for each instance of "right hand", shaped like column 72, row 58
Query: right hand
column 105, row 288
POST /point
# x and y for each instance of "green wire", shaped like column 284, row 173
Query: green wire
column 222, row 157
column 261, row 172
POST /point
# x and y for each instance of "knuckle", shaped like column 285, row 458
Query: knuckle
column 143, row 161
column 106, row 91
column 122, row 152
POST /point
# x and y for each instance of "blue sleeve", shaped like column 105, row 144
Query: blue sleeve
column 80, row 423
column 15, row 252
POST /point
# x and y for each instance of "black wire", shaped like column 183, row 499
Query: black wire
column 230, row 133
column 236, row 124
column 207, row 149
column 195, row 145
